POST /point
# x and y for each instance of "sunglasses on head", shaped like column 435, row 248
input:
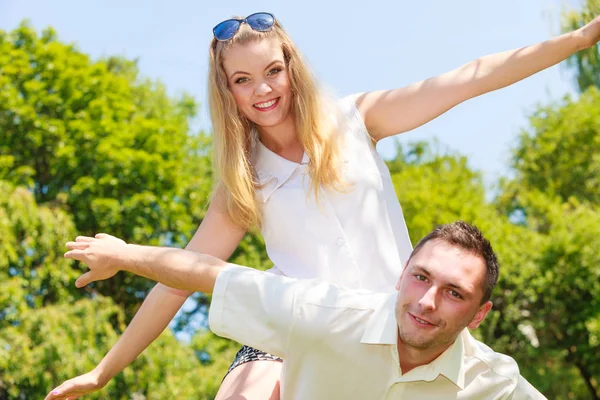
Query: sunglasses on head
column 260, row 21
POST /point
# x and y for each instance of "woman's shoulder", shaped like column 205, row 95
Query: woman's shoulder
column 347, row 104
column 351, row 118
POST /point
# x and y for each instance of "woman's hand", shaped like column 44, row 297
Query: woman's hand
column 590, row 33
column 77, row 387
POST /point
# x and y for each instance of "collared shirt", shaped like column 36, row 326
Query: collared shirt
column 357, row 238
column 340, row 343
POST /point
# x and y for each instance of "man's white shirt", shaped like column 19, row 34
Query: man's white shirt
column 342, row 344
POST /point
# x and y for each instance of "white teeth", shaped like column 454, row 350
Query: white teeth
column 421, row 321
column 265, row 105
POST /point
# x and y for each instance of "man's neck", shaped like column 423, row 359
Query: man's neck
column 411, row 358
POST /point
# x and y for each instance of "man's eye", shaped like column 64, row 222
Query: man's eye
column 421, row 278
column 454, row 293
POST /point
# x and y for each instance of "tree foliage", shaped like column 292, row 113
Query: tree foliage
column 111, row 149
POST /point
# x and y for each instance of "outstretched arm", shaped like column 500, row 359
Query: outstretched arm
column 390, row 112
column 216, row 236
column 106, row 255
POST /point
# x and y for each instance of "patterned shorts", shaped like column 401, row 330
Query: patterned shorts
column 249, row 354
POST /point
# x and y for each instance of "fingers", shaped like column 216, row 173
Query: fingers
column 77, row 245
column 84, row 279
column 75, row 254
column 52, row 395
column 75, row 388
column 80, row 243
column 109, row 237
column 65, row 391
column 64, row 395
column 84, row 239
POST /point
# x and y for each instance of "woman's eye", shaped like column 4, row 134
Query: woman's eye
column 274, row 71
column 241, row 80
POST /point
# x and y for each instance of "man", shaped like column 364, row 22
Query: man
column 339, row 343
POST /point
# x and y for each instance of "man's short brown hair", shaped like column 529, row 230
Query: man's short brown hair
column 467, row 237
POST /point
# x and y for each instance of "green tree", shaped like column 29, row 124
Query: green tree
column 554, row 193
column 53, row 336
column 109, row 147
column 564, row 293
column 33, row 272
column 435, row 186
column 55, row 343
column 560, row 152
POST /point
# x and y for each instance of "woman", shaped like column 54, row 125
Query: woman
column 306, row 171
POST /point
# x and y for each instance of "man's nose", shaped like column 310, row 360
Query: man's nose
column 428, row 301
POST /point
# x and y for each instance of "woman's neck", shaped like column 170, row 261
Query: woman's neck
column 282, row 140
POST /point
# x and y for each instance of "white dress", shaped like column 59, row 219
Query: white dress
column 357, row 238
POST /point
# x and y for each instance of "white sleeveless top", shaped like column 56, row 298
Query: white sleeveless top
column 356, row 238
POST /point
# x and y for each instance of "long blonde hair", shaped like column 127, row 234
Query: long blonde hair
column 232, row 132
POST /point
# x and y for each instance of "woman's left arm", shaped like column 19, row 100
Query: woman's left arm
column 390, row 112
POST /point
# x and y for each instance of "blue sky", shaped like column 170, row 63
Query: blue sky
column 352, row 47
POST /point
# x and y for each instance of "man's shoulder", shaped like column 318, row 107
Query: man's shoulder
column 504, row 368
column 497, row 363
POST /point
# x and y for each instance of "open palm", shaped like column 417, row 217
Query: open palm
column 76, row 387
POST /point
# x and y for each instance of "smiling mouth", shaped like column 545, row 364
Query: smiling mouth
column 420, row 321
column 267, row 105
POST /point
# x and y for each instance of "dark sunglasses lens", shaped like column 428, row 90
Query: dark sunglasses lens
column 260, row 21
column 226, row 29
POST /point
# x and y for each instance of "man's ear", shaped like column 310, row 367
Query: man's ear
column 480, row 315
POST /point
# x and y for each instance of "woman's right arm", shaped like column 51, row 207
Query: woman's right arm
column 216, row 236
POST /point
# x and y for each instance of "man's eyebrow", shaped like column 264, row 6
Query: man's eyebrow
column 425, row 271
column 455, row 286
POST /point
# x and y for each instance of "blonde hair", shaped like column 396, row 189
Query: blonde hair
column 233, row 139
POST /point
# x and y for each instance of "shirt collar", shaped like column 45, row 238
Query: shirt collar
column 382, row 328
column 272, row 170
column 451, row 362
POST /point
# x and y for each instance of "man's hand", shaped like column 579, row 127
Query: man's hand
column 103, row 254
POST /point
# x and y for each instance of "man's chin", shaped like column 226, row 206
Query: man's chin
column 416, row 340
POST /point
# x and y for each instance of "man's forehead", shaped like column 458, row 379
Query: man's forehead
column 438, row 249
column 439, row 258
